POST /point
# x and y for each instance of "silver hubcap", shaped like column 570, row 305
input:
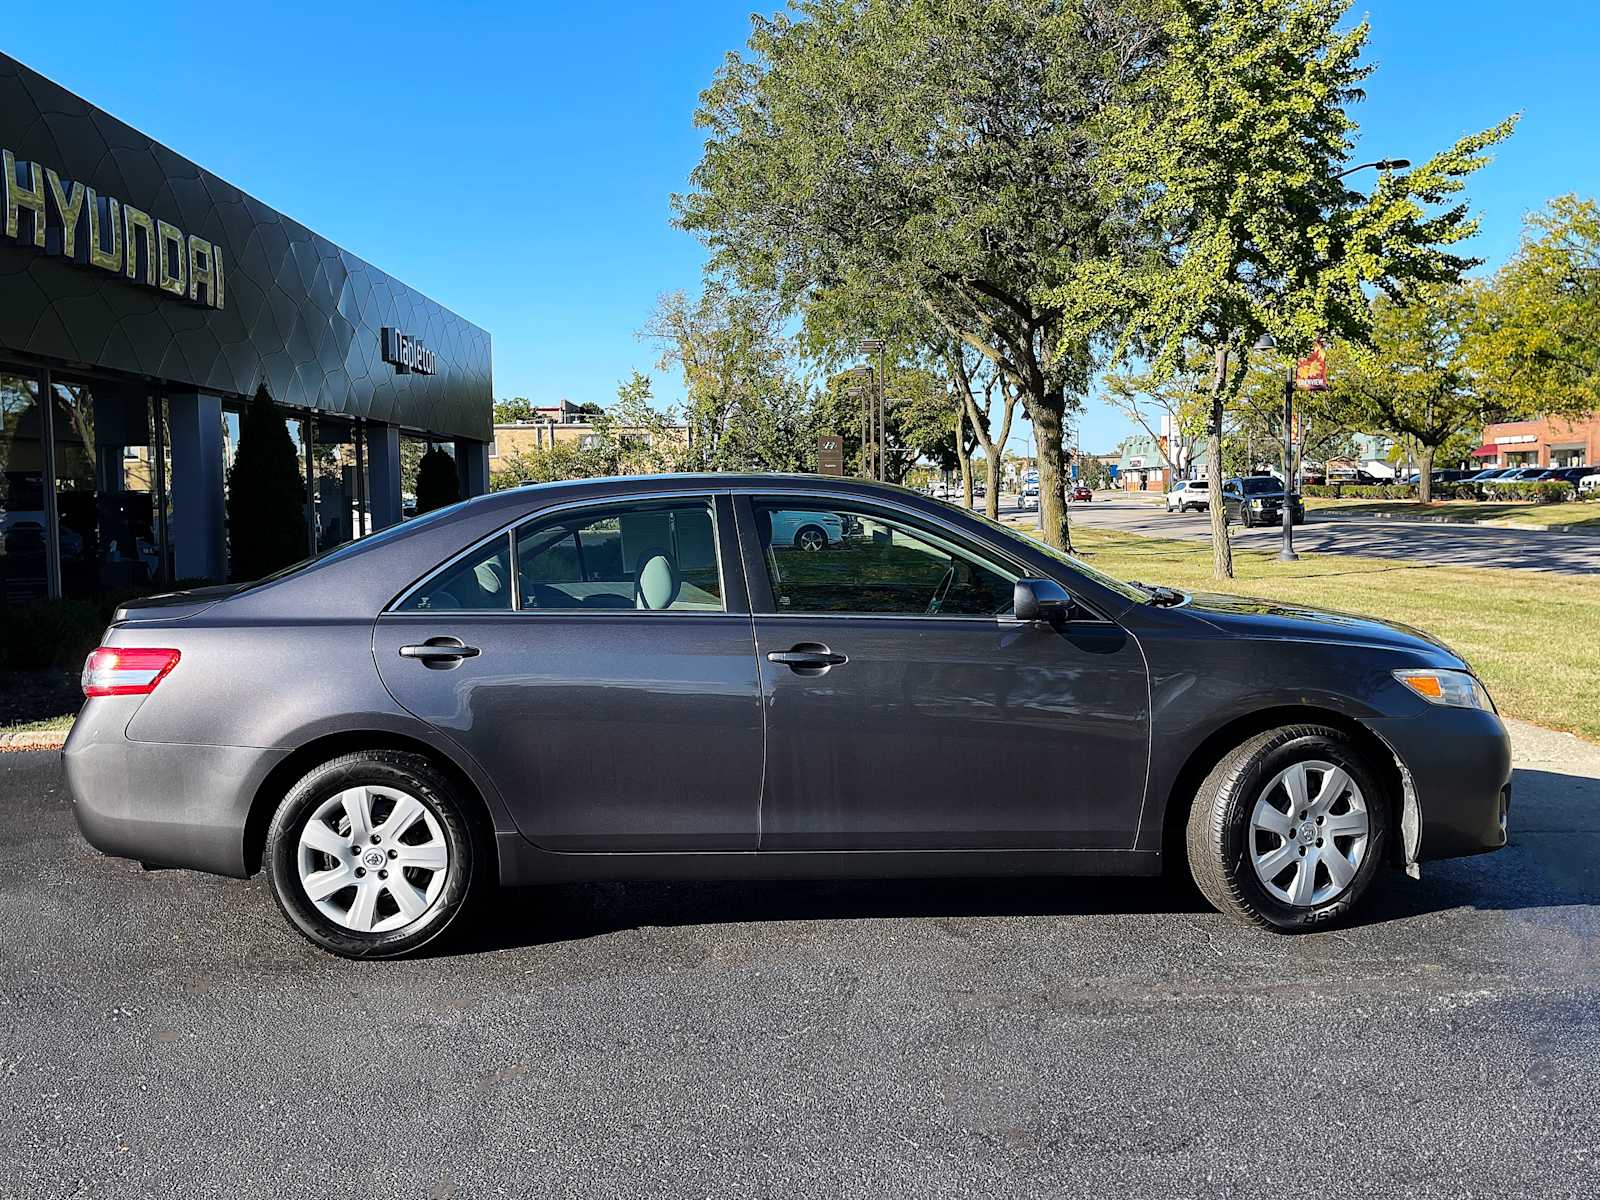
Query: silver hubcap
column 373, row 859
column 810, row 539
column 1309, row 833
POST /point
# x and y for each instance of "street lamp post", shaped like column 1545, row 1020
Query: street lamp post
column 1383, row 164
column 1286, row 550
column 879, row 347
column 866, row 419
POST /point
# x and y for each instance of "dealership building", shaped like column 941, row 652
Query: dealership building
column 142, row 302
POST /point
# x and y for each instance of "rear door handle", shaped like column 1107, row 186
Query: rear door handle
column 808, row 658
column 440, row 652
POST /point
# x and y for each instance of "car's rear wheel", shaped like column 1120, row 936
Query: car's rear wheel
column 811, row 538
column 1289, row 828
column 372, row 854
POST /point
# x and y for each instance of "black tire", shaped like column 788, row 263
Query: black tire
column 1247, row 519
column 414, row 775
column 1219, row 826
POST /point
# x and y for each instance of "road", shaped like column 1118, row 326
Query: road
column 1323, row 532
column 166, row 1034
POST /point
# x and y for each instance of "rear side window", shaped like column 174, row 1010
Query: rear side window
column 657, row 557
column 479, row 582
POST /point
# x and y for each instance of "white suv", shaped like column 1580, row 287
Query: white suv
column 1186, row 494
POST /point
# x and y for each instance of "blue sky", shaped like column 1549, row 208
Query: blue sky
column 559, row 131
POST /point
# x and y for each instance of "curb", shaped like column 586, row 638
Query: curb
column 51, row 739
column 1417, row 519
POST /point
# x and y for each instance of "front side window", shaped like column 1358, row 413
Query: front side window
column 826, row 560
column 657, row 557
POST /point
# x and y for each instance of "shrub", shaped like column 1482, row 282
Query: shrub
column 438, row 484
column 1364, row 491
column 48, row 633
column 266, row 494
column 1541, row 491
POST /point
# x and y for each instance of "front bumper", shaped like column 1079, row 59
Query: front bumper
column 161, row 803
column 1458, row 761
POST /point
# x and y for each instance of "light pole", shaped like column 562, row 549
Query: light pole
column 1383, row 164
column 866, row 418
column 1286, row 551
column 878, row 346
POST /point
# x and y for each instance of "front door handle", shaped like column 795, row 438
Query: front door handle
column 807, row 658
column 440, row 653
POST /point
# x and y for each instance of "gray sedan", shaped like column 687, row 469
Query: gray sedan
column 646, row 679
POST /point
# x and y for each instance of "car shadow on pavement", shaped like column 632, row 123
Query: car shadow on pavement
column 1553, row 859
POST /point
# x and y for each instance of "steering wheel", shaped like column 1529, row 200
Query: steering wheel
column 940, row 592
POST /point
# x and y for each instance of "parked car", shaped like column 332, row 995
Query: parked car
column 1258, row 500
column 809, row 531
column 1490, row 473
column 1186, row 494
column 639, row 679
column 1029, row 497
column 1082, row 493
column 1589, row 483
column 1572, row 475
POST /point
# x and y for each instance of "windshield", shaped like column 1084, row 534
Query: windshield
column 1258, row 486
column 1119, row 586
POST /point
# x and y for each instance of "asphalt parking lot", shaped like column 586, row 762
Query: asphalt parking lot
column 1326, row 531
column 166, row 1034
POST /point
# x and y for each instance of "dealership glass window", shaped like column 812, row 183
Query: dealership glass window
column 335, row 491
column 23, row 571
column 827, row 560
column 106, row 483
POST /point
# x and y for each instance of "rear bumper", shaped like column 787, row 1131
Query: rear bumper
column 1459, row 763
column 165, row 804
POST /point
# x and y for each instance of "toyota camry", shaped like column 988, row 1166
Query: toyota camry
column 663, row 678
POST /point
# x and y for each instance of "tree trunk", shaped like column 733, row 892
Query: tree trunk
column 1047, row 411
column 962, row 456
column 1425, row 472
column 1221, row 550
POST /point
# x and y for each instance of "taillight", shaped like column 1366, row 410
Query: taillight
column 126, row 670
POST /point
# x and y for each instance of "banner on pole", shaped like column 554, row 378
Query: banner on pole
column 1311, row 372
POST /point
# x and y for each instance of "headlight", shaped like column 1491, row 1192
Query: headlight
column 1457, row 689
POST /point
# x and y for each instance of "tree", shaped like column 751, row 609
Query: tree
column 510, row 412
column 1236, row 145
column 438, row 482
column 266, row 494
column 744, row 410
column 1414, row 380
column 633, row 437
column 961, row 371
column 1176, row 403
column 937, row 152
column 1538, row 342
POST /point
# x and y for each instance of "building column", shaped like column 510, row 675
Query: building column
column 472, row 460
column 198, row 513
column 383, row 474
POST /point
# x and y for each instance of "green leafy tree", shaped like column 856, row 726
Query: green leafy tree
column 937, row 152
column 266, row 494
column 744, row 408
column 1538, row 340
column 509, row 412
column 438, row 482
column 1235, row 145
column 1414, row 380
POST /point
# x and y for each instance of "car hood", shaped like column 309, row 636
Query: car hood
column 1242, row 616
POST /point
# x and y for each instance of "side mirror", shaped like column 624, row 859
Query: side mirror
column 1040, row 600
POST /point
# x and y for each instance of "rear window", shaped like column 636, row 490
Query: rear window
column 1257, row 486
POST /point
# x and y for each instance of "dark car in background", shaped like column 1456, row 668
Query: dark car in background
column 653, row 678
column 1258, row 500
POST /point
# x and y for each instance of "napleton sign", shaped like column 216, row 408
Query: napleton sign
column 407, row 355
column 66, row 218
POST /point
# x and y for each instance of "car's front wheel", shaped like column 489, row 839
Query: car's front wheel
column 1289, row 828
column 372, row 854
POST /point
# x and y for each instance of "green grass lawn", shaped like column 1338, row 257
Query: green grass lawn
column 1534, row 638
column 1575, row 516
